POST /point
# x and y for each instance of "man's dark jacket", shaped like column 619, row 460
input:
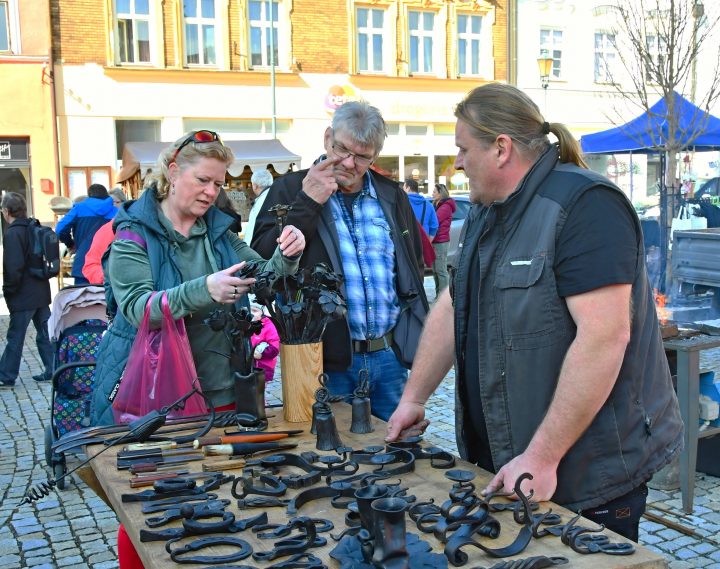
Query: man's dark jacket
column 322, row 246
column 78, row 227
column 525, row 330
column 22, row 290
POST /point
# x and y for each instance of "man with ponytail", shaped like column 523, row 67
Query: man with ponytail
column 550, row 322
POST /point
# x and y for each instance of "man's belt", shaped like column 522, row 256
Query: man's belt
column 374, row 345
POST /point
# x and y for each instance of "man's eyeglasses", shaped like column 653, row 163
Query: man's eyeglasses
column 343, row 153
column 200, row 136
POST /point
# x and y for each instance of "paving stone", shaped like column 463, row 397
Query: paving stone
column 106, row 565
column 100, row 557
column 31, row 544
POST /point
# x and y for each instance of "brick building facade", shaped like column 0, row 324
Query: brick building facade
column 150, row 70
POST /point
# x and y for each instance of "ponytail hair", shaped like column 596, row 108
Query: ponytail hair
column 496, row 108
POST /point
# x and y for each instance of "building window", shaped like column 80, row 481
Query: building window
column 4, row 26
column 370, row 31
column 469, row 35
column 421, row 26
column 259, row 20
column 133, row 30
column 605, row 53
column 551, row 42
column 135, row 130
column 200, row 26
column 656, row 54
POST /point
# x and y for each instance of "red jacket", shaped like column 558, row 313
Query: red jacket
column 92, row 269
column 444, row 209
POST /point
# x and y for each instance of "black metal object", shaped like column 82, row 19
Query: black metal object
column 361, row 421
column 178, row 555
column 301, row 305
column 138, row 430
column 536, row 562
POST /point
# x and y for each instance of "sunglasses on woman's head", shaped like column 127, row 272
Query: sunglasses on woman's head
column 200, row 136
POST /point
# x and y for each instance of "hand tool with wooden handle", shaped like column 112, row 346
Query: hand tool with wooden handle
column 228, row 439
column 164, row 445
column 244, row 449
column 220, row 465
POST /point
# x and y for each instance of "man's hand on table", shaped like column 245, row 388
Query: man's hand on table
column 543, row 483
column 408, row 420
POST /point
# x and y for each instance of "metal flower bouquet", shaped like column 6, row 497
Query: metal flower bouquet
column 301, row 306
column 249, row 381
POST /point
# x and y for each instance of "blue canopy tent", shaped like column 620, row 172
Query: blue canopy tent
column 649, row 133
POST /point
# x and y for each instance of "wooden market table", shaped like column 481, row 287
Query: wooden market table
column 424, row 482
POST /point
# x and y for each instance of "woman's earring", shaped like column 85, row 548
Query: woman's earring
column 173, row 189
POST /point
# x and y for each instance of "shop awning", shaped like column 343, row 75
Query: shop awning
column 257, row 154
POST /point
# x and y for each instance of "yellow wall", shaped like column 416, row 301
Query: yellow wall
column 27, row 112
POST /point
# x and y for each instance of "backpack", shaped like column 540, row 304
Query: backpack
column 44, row 251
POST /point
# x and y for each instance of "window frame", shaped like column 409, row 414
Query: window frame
column 385, row 35
column 264, row 36
column 656, row 54
column 468, row 37
column 218, row 32
column 608, row 47
column 556, row 72
column 421, row 33
column 151, row 22
column 12, row 28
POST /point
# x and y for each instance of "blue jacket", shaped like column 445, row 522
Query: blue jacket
column 429, row 221
column 77, row 228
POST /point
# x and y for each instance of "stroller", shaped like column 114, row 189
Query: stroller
column 77, row 323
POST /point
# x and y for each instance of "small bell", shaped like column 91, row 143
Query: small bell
column 327, row 434
column 361, row 422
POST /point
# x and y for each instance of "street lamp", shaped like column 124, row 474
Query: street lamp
column 545, row 63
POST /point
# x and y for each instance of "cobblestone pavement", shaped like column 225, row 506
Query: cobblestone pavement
column 74, row 529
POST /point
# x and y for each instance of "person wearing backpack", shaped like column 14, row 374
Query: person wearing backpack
column 27, row 295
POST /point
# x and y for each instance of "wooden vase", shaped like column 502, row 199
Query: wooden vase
column 300, row 366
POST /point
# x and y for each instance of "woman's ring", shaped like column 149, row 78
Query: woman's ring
column 235, row 292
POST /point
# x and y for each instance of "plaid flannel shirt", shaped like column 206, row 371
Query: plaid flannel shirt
column 368, row 261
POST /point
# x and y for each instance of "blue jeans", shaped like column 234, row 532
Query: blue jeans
column 19, row 321
column 386, row 375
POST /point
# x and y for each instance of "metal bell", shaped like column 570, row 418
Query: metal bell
column 327, row 434
column 361, row 422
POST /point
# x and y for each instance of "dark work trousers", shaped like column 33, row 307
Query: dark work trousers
column 19, row 321
column 621, row 515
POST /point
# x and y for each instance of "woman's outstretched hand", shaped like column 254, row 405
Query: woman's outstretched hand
column 225, row 288
column 291, row 241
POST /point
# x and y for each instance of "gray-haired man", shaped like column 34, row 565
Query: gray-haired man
column 261, row 181
column 362, row 225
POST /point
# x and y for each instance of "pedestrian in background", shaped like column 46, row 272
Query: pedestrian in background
column 549, row 319
column 424, row 212
column 261, row 182
column 77, row 228
column 27, row 296
column 92, row 269
column 444, row 208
